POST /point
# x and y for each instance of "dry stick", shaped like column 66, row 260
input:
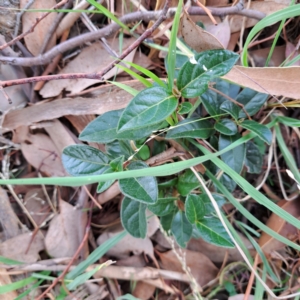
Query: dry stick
column 232, row 100
column 112, row 28
column 38, row 20
column 99, row 75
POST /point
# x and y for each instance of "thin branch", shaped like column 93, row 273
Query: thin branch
column 112, row 28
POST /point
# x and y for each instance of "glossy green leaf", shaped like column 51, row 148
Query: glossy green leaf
column 184, row 108
column 194, row 208
column 163, row 206
column 181, row 229
column 213, row 100
column 151, row 106
column 233, row 158
column 261, row 130
column 208, row 207
column 166, row 221
column 104, row 129
column 143, row 189
column 253, row 159
column 226, row 127
column 231, row 108
column 133, row 217
column 193, row 79
column 212, row 231
column 168, row 183
column 192, row 127
column 187, row 182
column 84, row 160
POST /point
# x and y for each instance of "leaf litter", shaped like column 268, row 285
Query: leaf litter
column 45, row 128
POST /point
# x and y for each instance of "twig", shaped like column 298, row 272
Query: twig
column 38, row 20
column 99, row 75
column 112, row 28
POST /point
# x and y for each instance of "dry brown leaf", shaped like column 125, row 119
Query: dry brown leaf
column 108, row 98
column 196, row 37
column 62, row 238
column 274, row 81
column 5, row 280
column 259, row 56
column 217, row 254
column 35, row 39
column 127, row 245
column 234, row 38
column 291, row 52
column 36, row 203
column 287, row 230
column 241, row 297
column 24, row 247
column 200, row 265
column 92, row 59
column 142, row 60
column 221, row 32
column 143, row 290
column 40, row 151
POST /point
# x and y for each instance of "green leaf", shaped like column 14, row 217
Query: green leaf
column 181, row 229
column 117, row 164
column 151, row 106
column 193, row 79
column 212, row 231
column 226, row 126
column 144, row 152
column 233, row 158
column 253, row 159
column 187, row 182
column 133, row 217
column 184, row 108
column 104, row 129
column 84, row 160
column 194, row 208
column 104, row 185
column 163, row 206
column 231, row 108
column 208, row 207
column 192, row 127
column 288, row 121
column 261, row 130
column 166, row 221
column 213, row 100
column 143, row 189
column 228, row 182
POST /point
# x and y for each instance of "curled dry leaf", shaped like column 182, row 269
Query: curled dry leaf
column 268, row 243
column 24, row 247
column 274, row 81
column 196, row 37
column 92, row 59
column 200, row 265
column 127, row 245
column 62, row 238
column 35, row 39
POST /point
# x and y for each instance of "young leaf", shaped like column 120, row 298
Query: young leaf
column 133, row 217
column 212, row 231
column 117, row 164
column 151, row 106
column 143, row 189
column 192, row 127
column 253, row 159
column 194, row 208
column 181, row 229
column 233, row 158
column 163, row 206
column 104, row 129
column 184, row 108
column 193, row 79
column 187, row 182
column 226, row 126
column 261, row 130
column 84, row 160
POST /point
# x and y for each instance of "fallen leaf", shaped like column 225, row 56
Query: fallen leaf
column 92, row 59
column 5, row 280
column 143, row 290
column 287, row 230
column 62, row 238
column 35, row 39
column 259, row 56
column 291, row 52
column 200, row 265
column 127, row 245
column 196, row 37
column 107, row 98
column 241, row 297
column 221, row 32
column 273, row 81
column 24, row 247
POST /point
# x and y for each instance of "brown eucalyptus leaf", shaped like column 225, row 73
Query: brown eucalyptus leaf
column 200, row 265
column 35, row 39
column 62, row 238
column 143, row 290
column 196, row 37
column 274, row 81
column 221, row 32
column 24, row 247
